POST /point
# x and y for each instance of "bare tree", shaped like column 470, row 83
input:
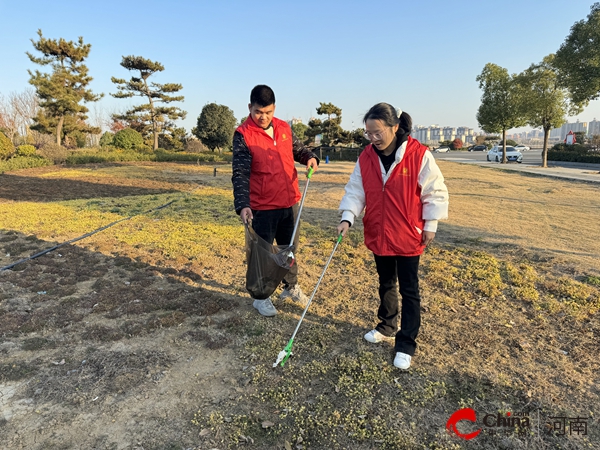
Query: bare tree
column 97, row 120
column 17, row 111
column 26, row 106
column 8, row 119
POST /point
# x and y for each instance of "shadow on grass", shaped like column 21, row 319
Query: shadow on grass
column 35, row 189
column 337, row 390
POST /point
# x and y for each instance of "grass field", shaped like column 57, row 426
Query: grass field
column 142, row 336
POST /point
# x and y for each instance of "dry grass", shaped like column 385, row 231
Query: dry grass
column 176, row 357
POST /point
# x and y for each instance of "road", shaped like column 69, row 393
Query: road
column 532, row 157
column 532, row 161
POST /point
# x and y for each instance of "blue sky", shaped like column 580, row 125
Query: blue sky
column 421, row 56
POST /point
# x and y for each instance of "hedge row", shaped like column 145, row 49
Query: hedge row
column 164, row 156
column 86, row 157
column 557, row 155
column 95, row 156
column 23, row 162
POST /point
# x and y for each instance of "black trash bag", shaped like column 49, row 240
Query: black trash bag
column 267, row 264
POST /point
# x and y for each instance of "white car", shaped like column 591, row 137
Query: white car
column 512, row 154
column 442, row 149
column 522, row 148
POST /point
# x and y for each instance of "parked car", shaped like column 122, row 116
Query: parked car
column 512, row 154
column 522, row 147
column 442, row 149
column 478, row 148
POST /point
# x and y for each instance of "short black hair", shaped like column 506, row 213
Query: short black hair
column 389, row 116
column 262, row 95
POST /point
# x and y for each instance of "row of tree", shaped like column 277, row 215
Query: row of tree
column 546, row 93
column 58, row 105
column 63, row 91
column 216, row 125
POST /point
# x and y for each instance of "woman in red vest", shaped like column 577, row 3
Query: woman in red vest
column 400, row 187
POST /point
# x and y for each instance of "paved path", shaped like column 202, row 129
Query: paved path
column 557, row 169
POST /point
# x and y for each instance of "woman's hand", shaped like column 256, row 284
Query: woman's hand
column 428, row 237
column 343, row 228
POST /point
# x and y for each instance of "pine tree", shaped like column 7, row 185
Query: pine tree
column 215, row 126
column 62, row 91
column 148, row 118
column 330, row 128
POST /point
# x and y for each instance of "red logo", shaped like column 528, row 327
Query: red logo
column 462, row 414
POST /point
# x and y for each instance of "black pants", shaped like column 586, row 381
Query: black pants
column 391, row 270
column 278, row 225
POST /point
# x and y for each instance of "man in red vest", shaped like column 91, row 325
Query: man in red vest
column 265, row 181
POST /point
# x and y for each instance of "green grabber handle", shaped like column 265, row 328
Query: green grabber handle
column 288, row 351
column 310, row 172
column 288, row 348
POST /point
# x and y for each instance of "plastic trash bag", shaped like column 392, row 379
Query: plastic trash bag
column 267, row 264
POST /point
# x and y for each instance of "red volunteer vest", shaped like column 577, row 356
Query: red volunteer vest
column 273, row 179
column 393, row 218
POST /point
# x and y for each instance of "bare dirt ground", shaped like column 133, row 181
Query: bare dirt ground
column 142, row 336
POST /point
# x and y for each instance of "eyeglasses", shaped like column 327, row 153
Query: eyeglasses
column 374, row 136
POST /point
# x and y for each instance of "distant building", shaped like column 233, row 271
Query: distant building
column 434, row 134
column 294, row 121
column 561, row 133
column 422, row 134
column 594, row 128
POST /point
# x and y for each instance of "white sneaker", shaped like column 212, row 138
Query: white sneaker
column 296, row 294
column 265, row 307
column 375, row 337
column 402, row 361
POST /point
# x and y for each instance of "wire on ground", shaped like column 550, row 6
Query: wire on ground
column 98, row 230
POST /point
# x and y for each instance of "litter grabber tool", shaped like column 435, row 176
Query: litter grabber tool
column 268, row 264
column 287, row 351
column 290, row 254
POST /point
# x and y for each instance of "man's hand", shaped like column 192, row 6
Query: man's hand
column 312, row 162
column 428, row 237
column 246, row 215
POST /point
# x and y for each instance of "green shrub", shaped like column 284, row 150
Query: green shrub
column 160, row 155
column 89, row 157
column 106, row 148
column 75, row 139
column 128, row 139
column 106, row 139
column 23, row 162
column 165, row 155
column 26, row 150
column 573, row 156
column 574, row 148
column 7, row 149
column 54, row 152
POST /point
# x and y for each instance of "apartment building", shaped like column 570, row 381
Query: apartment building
column 434, row 134
column 561, row 133
column 594, row 128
